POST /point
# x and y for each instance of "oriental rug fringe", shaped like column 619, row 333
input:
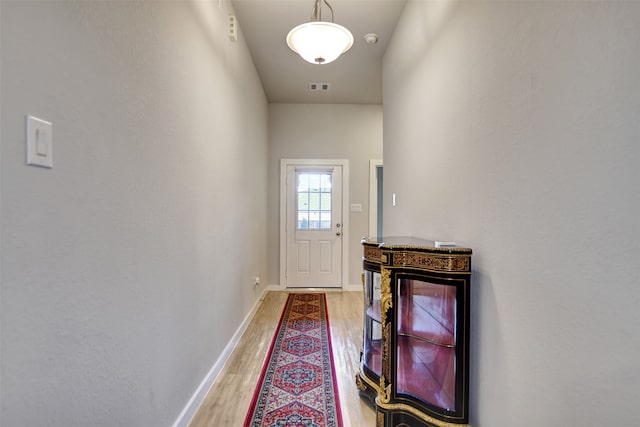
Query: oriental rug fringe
column 297, row 386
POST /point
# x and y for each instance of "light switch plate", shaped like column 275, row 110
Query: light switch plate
column 39, row 137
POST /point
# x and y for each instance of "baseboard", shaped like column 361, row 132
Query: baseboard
column 346, row 288
column 194, row 403
column 275, row 288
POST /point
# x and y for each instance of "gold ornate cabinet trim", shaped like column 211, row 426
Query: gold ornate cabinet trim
column 433, row 262
column 384, row 394
column 359, row 383
column 416, row 413
column 372, row 254
column 360, row 376
column 386, row 357
column 385, row 294
column 386, row 302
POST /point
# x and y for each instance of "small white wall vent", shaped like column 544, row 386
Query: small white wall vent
column 319, row 87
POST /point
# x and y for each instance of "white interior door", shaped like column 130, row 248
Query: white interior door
column 314, row 225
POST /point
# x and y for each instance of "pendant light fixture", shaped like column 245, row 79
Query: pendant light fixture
column 318, row 41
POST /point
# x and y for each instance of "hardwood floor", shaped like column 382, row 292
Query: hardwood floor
column 227, row 402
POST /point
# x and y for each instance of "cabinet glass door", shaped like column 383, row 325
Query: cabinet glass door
column 372, row 325
column 426, row 360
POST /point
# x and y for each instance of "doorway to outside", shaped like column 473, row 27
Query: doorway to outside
column 313, row 223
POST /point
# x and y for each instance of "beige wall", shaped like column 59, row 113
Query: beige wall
column 324, row 131
column 127, row 267
column 512, row 127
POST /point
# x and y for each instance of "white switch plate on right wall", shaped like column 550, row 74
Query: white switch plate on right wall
column 39, row 138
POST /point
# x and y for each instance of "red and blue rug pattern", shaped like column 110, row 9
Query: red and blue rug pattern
column 297, row 386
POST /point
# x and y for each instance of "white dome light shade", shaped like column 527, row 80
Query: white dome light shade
column 320, row 42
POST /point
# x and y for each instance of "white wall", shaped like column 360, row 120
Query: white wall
column 324, row 131
column 513, row 127
column 128, row 266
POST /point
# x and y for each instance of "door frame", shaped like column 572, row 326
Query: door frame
column 374, row 164
column 284, row 165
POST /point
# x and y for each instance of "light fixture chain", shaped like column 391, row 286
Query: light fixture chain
column 316, row 13
column 330, row 8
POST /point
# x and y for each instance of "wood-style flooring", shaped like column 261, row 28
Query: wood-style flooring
column 227, row 402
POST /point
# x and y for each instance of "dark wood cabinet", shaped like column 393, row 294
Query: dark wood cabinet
column 414, row 364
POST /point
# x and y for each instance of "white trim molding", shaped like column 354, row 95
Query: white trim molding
column 374, row 164
column 196, row 400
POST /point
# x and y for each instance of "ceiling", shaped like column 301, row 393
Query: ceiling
column 354, row 78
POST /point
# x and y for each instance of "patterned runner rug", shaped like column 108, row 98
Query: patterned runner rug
column 297, row 386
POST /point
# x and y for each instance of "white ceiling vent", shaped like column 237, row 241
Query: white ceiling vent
column 319, row 87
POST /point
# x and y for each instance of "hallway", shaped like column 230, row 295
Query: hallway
column 227, row 402
column 510, row 127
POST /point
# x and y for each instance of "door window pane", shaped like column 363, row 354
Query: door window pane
column 314, row 183
column 325, row 201
column 325, row 220
column 303, row 202
column 314, row 200
column 314, row 220
column 303, row 220
column 325, row 183
column 303, row 183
